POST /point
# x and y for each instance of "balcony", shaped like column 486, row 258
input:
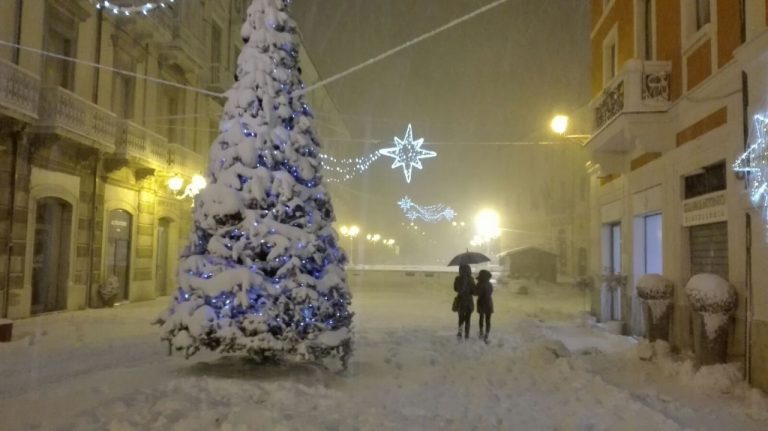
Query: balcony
column 186, row 160
column 140, row 147
column 630, row 108
column 65, row 114
column 19, row 92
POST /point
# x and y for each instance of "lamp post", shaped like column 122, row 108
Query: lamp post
column 176, row 183
column 559, row 125
column 350, row 232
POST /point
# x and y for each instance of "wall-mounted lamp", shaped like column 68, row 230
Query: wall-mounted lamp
column 176, row 183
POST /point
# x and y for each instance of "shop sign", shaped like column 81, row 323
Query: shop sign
column 706, row 209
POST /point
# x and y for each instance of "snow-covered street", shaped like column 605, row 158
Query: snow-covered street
column 544, row 369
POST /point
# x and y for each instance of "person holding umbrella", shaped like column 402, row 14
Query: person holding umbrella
column 484, row 294
column 464, row 286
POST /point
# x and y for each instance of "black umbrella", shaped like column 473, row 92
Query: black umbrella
column 468, row 257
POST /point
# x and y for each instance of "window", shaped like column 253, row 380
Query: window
column 647, row 245
column 647, row 14
column 610, row 56
column 702, row 13
column 61, row 39
column 123, row 86
column 215, row 44
column 173, row 114
column 709, row 179
column 58, row 71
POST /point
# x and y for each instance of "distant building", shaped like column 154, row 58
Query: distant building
column 529, row 263
column 675, row 87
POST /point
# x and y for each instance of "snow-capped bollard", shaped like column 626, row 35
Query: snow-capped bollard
column 656, row 292
column 714, row 301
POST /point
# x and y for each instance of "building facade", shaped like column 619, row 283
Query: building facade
column 675, row 86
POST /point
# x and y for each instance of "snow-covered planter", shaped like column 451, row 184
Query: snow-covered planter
column 109, row 290
column 657, row 292
column 714, row 299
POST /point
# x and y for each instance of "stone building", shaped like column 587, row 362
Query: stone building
column 86, row 154
column 676, row 85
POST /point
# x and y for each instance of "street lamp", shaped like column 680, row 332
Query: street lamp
column 350, row 232
column 176, row 183
column 559, row 125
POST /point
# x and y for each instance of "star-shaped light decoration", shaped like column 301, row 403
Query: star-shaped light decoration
column 407, row 153
column 754, row 163
column 429, row 213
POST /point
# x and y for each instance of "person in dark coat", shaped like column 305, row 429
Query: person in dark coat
column 484, row 292
column 464, row 286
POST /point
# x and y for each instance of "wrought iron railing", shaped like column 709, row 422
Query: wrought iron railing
column 642, row 86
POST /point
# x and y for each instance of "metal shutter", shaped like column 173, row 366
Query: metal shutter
column 709, row 249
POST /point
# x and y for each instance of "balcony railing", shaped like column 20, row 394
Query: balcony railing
column 19, row 92
column 142, row 146
column 642, row 86
column 68, row 115
column 185, row 159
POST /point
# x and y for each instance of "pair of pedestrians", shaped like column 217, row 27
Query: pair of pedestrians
column 466, row 287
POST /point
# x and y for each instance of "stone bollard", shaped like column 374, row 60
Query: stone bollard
column 714, row 301
column 656, row 292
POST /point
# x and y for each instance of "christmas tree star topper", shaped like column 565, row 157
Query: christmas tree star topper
column 407, row 153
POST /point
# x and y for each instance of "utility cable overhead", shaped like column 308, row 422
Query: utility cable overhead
column 401, row 47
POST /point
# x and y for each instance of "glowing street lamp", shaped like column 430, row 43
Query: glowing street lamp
column 350, row 232
column 487, row 224
column 559, row 124
column 176, row 183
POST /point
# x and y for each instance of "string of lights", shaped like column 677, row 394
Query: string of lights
column 428, row 213
column 345, row 169
column 118, row 9
column 754, row 163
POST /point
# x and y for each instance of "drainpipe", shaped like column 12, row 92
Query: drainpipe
column 92, row 233
column 748, row 239
column 97, row 59
column 15, row 136
column 748, row 305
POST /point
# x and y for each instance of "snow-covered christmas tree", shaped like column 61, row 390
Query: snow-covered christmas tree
column 263, row 272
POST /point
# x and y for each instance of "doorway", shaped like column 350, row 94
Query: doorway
column 161, row 266
column 119, row 249
column 50, row 265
